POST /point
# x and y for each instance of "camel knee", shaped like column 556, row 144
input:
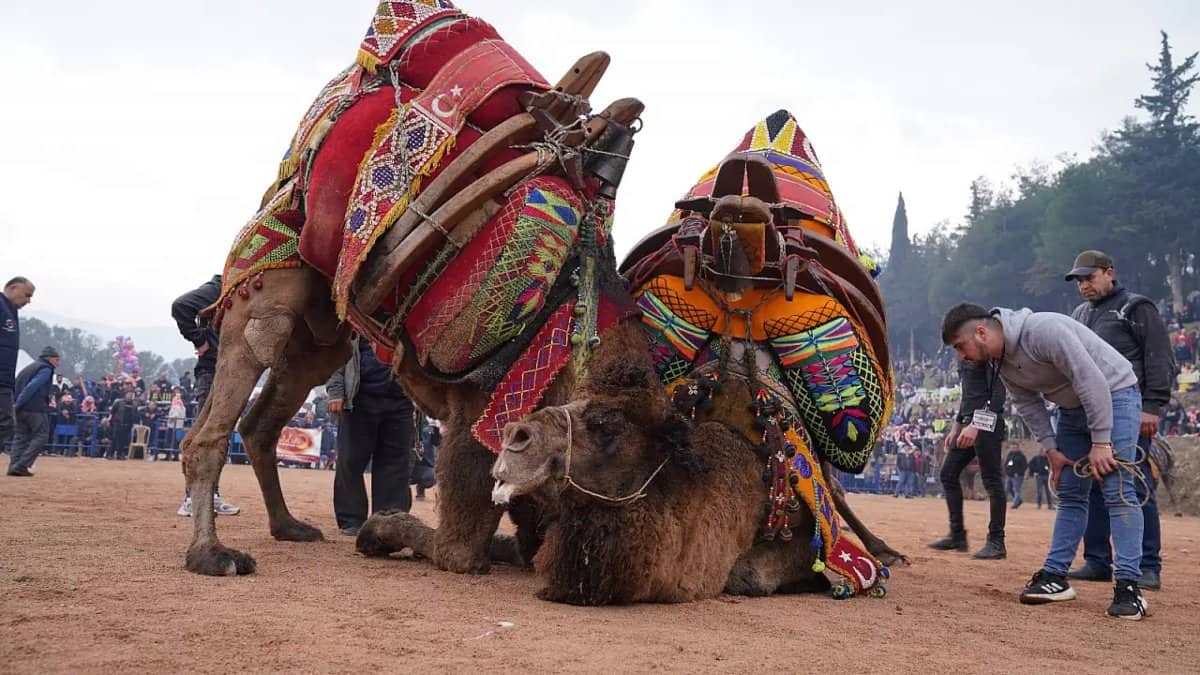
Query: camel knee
column 266, row 336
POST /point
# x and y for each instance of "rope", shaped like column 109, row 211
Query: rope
column 1083, row 469
column 640, row 493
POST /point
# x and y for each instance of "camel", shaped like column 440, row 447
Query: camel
column 744, row 370
column 514, row 141
column 636, row 486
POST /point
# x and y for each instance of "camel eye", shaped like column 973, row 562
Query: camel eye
column 605, row 424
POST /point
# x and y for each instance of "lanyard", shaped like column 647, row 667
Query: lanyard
column 995, row 378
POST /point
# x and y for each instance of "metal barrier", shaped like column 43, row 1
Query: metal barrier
column 80, row 437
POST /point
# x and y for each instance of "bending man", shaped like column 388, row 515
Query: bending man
column 1044, row 356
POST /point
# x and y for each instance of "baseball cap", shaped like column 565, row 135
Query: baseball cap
column 1088, row 261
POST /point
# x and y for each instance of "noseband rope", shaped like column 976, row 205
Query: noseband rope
column 640, row 493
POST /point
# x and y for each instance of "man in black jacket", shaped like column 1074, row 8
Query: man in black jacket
column 17, row 293
column 1132, row 325
column 976, row 433
column 33, row 412
column 186, row 312
column 1039, row 469
column 1014, row 471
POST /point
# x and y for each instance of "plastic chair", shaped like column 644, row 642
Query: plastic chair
column 140, row 442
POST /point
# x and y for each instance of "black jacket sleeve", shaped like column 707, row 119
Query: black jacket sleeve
column 1157, row 357
column 975, row 382
column 188, row 306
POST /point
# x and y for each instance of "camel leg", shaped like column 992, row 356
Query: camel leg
column 466, row 514
column 874, row 545
column 392, row 531
column 203, row 454
column 304, row 366
column 776, row 567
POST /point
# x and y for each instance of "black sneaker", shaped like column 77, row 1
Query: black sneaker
column 1128, row 602
column 1045, row 587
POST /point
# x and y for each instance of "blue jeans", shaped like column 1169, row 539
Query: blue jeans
column 907, row 484
column 1096, row 550
column 1014, row 489
column 1075, row 441
column 1043, row 489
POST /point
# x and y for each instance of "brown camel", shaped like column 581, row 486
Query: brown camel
column 286, row 315
column 635, row 486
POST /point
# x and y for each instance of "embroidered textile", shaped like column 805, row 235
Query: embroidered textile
column 270, row 240
column 840, row 553
column 528, row 378
column 830, row 370
column 410, row 145
column 395, row 24
column 798, row 173
column 489, row 293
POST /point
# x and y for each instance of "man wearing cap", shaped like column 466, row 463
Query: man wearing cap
column 1131, row 324
column 33, row 409
column 1045, row 356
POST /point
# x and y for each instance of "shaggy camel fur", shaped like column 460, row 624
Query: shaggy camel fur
column 689, row 535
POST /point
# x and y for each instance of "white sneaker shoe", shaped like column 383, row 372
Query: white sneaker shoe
column 224, row 508
column 185, row 509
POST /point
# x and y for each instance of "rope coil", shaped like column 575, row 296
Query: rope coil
column 1083, row 469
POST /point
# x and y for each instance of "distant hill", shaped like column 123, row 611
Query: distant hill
column 163, row 340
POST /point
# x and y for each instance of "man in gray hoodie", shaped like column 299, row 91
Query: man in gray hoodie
column 1049, row 357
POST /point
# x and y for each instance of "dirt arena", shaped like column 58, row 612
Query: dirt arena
column 91, row 580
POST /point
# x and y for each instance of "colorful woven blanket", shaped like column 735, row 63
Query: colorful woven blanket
column 270, row 240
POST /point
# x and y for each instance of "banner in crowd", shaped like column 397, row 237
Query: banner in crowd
column 299, row 445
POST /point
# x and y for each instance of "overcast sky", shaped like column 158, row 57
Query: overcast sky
column 138, row 136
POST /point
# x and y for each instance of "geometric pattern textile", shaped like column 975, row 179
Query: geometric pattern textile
column 839, row 552
column 492, row 288
column 831, row 373
column 831, row 390
column 528, row 378
column 798, row 173
column 393, row 26
column 499, row 282
column 270, row 240
column 411, row 144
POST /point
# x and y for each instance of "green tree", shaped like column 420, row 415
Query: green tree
column 1157, row 172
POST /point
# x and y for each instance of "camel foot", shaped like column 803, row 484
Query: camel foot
column 885, row 554
column 219, row 561
column 744, row 579
column 387, row 532
column 296, row 530
column 460, row 559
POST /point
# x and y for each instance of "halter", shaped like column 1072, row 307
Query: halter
column 640, row 493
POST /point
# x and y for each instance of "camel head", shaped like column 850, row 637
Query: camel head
column 607, row 445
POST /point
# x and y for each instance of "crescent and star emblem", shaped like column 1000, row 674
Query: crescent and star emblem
column 436, row 104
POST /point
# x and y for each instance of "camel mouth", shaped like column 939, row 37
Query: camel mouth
column 515, row 477
column 502, row 493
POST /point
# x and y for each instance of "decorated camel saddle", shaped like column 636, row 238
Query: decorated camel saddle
column 755, row 277
column 457, row 202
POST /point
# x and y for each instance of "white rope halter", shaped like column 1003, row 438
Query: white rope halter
column 640, row 493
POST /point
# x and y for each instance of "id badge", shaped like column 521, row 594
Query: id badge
column 984, row 420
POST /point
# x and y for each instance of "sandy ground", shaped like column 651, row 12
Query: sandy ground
column 91, row 580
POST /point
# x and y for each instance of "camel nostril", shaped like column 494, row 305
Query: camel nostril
column 517, row 437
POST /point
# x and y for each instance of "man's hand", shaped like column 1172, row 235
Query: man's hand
column 336, row 406
column 967, row 438
column 1058, row 462
column 1149, row 424
column 1101, row 461
column 202, row 350
column 951, row 433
